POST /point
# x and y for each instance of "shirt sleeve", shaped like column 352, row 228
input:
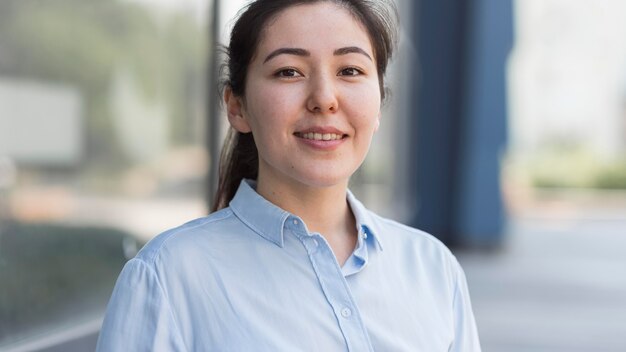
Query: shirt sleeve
column 139, row 317
column 465, row 331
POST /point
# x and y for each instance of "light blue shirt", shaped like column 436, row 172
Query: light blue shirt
column 251, row 277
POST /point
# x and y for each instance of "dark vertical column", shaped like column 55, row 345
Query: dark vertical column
column 213, row 141
column 438, row 31
column 459, row 124
column 479, row 210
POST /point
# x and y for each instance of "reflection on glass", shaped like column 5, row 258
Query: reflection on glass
column 101, row 148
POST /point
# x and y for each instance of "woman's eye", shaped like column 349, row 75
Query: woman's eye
column 350, row 71
column 288, row 72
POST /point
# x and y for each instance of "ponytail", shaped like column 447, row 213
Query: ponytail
column 239, row 159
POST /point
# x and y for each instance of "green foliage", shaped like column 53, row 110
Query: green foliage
column 83, row 43
column 569, row 165
column 612, row 176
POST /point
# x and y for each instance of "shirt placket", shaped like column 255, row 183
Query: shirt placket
column 336, row 290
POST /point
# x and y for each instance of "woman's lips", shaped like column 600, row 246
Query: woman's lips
column 321, row 133
column 321, row 138
column 318, row 136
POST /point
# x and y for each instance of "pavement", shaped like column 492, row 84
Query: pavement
column 557, row 285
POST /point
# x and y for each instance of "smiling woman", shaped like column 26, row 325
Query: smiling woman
column 287, row 236
column 319, row 88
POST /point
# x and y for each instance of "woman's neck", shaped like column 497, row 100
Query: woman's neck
column 324, row 210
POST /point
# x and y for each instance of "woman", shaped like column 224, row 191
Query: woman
column 291, row 261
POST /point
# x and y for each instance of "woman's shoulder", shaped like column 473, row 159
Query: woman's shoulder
column 415, row 250
column 398, row 235
column 399, row 238
column 182, row 238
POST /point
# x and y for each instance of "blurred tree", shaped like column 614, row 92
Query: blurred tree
column 81, row 43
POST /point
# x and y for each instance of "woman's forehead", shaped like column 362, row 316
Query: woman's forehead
column 321, row 27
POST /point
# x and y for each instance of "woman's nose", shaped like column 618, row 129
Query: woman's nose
column 322, row 95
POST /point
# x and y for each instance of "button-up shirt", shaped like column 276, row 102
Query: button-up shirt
column 251, row 277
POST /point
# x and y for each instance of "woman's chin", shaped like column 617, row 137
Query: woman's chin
column 326, row 181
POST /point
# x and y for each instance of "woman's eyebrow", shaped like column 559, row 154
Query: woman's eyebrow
column 304, row 52
column 350, row 50
column 289, row 51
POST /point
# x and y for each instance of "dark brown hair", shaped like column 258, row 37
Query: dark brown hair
column 239, row 158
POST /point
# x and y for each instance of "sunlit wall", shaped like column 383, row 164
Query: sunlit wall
column 567, row 92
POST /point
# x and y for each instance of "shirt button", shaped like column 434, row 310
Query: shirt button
column 346, row 312
column 295, row 222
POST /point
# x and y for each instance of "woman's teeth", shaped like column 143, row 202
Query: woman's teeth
column 321, row 136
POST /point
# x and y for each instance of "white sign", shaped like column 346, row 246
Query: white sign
column 40, row 123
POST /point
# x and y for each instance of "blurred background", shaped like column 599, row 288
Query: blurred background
column 505, row 136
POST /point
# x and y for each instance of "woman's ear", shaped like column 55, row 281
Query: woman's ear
column 235, row 111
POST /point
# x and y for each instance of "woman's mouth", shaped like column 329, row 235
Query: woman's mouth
column 320, row 136
column 323, row 139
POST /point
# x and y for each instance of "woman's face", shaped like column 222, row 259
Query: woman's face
column 312, row 98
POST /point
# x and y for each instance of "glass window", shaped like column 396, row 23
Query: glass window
column 102, row 146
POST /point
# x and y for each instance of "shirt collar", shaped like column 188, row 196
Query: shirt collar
column 268, row 220
column 258, row 213
column 364, row 220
